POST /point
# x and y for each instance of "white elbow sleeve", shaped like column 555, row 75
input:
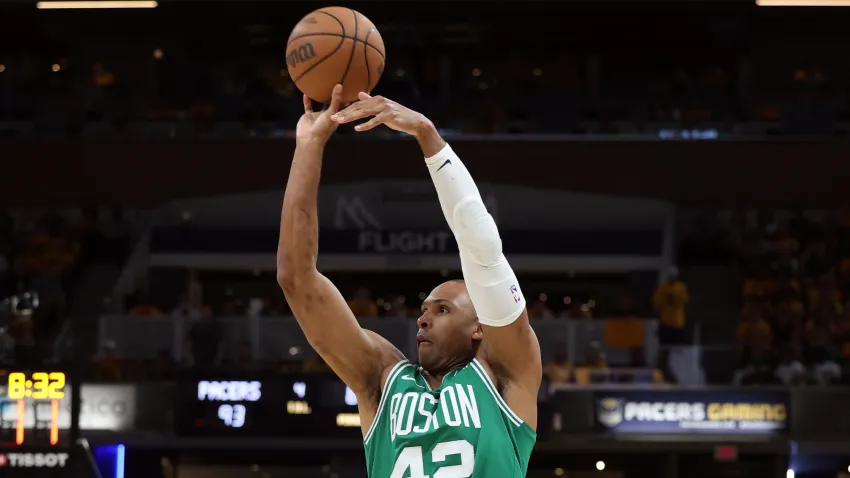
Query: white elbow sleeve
column 492, row 284
column 494, row 290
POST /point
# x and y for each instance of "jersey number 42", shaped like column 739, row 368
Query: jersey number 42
column 411, row 459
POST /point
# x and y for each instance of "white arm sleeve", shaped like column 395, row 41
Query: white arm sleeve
column 492, row 284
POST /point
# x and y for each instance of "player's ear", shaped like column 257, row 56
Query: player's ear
column 479, row 332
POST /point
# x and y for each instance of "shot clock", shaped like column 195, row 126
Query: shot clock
column 32, row 398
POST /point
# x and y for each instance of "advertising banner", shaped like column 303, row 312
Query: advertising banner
column 733, row 411
column 105, row 407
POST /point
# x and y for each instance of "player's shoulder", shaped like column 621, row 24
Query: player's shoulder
column 386, row 354
column 386, row 358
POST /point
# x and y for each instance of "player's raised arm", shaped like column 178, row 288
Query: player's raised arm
column 511, row 347
column 359, row 357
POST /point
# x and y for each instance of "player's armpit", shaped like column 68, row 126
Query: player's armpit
column 359, row 357
column 512, row 353
column 510, row 344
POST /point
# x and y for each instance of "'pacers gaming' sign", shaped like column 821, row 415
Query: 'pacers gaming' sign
column 693, row 411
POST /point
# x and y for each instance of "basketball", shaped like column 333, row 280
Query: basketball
column 335, row 45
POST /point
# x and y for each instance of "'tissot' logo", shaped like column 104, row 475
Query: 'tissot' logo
column 33, row 460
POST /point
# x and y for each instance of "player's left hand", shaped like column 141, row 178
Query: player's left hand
column 382, row 111
column 316, row 125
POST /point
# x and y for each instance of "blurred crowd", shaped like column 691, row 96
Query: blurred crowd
column 469, row 77
column 206, row 346
column 795, row 267
column 36, row 263
column 40, row 258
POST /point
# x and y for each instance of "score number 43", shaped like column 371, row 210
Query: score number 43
column 232, row 415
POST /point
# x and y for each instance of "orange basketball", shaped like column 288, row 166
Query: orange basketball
column 335, row 45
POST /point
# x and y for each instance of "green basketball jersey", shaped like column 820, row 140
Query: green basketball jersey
column 463, row 429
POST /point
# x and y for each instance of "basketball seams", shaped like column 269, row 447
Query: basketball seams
column 356, row 40
column 319, row 84
column 353, row 47
column 321, row 60
column 366, row 62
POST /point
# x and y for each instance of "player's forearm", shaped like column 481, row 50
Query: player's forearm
column 491, row 282
column 429, row 138
column 455, row 187
column 298, row 245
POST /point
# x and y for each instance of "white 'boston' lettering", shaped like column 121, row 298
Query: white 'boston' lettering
column 449, row 401
column 394, row 404
column 430, row 418
column 415, row 412
column 404, row 421
column 468, row 406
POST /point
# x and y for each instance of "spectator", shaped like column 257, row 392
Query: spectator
column 790, row 371
column 670, row 299
column 205, row 342
column 397, row 308
column 540, row 310
column 825, row 295
column 596, row 361
column 841, row 334
column 362, row 304
column 786, row 327
column 753, row 331
column 759, row 367
column 146, row 310
column 596, row 358
column 559, row 370
column 107, row 364
column 624, row 329
column 820, row 354
column 21, row 307
column 186, row 309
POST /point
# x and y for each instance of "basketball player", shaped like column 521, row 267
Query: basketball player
column 469, row 408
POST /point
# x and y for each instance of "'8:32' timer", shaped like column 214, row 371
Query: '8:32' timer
column 41, row 386
column 23, row 393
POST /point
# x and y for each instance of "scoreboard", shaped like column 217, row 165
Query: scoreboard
column 30, row 407
column 291, row 406
column 31, row 414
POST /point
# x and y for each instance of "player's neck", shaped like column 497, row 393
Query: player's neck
column 435, row 377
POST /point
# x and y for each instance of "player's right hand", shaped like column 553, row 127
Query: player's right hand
column 316, row 126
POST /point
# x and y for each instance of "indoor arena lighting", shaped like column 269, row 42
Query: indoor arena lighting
column 119, row 461
column 803, row 3
column 104, row 4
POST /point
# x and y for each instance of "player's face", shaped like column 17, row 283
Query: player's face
column 448, row 329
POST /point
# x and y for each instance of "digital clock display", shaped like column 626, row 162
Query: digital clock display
column 32, row 398
column 38, row 386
